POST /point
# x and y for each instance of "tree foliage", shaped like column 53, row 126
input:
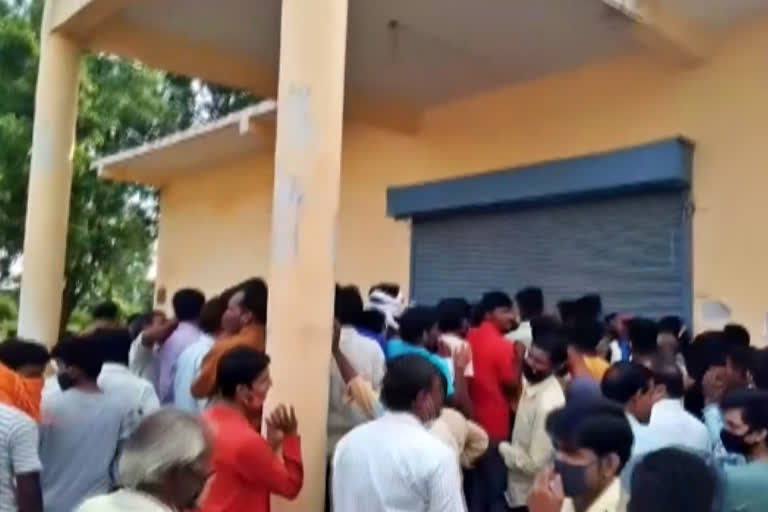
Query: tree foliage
column 122, row 104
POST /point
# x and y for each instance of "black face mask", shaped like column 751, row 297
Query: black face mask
column 65, row 381
column 733, row 443
column 531, row 375
column 574, row 478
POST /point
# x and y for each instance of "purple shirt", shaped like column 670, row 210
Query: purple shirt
column 165, row 361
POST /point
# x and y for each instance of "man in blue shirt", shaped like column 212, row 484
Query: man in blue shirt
column 420, row 335
column 745, row 431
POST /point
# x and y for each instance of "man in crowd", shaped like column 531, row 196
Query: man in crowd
column 493, row 391
column 394, row 462
column 453, row 322
column 190, row 361
column 248, row 468
column 244, row 325
column 81, row 429
column 728, row 366
column 592, row 443
column 529, row 304
column 19, row 462
column 531, row 448
column 420, row 335
column 115, row 378
column 745, row 432
column 163, row 466
column 187, row 304
column 366, row 358
column 497, row 369
column 668, row 416
column 643, row 337
column 105, row 316
column 584, row 335
column 22, row 364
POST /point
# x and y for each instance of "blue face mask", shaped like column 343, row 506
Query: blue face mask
column 574, row 478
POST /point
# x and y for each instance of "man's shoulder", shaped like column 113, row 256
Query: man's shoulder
column 12, row 418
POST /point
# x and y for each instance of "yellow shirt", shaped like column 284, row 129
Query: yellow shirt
column 610, row 500
column 597, row 366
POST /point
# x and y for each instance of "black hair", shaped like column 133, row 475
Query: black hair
column 754, row 406
column 672, row 480
column 740, row 357
column 567, row 311
column 210, row 315
column 588, row 308
column 624, row 379
column 495, row 300
column 584, row 335
column 668, row 373
column 530, row 302
column 15, row 353
column 405, row 378
column 545, row 326
column 347, row 304
column 415, row 322
column 137, row 322
column 187, row 304
column 737, row 334
column 372, row 320
column 759, row 368
column 452, row 313
column 239, row 366
column 597, row 425
column 83, row 353
column 708, row 349
column 476, row 314
column 643, row 335
column 554, row 344
column 107, row 310
column 255, row 295
column 113, row 344
column 675, row 326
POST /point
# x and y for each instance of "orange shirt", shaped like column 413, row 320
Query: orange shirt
column 495, row 364
column 245, row 469
column 249, row 336
column 22, row 393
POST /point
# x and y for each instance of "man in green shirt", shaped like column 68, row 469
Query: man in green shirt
column 745, row 431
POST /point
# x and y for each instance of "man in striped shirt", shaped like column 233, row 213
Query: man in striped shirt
column 19, row 462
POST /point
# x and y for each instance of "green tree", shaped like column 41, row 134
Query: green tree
column 122, row 104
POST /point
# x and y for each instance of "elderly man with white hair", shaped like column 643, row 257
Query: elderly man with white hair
column 164, row 466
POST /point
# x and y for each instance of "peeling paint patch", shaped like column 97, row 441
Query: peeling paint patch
column 299, row 134
column 289, row 197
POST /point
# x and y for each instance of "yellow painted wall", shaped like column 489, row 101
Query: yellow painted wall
column 220, row 218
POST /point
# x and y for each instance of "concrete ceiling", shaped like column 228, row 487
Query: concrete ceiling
column 439, row 49
column 417, row 52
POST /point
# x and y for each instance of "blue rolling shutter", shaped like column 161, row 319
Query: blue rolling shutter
column 634, row 250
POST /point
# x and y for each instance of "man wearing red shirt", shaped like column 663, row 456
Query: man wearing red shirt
column 246, row 467
column 492, row 390
column 497, row 373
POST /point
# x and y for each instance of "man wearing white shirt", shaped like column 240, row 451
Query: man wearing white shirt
column 191, row 359
column 529, row 304
column 364, row 355
column 670, row 422
column 394, row 463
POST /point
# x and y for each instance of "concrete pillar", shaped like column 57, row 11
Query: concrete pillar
column 306, row 198
column 50, row 180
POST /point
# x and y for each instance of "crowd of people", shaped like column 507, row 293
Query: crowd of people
column 487, row 406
